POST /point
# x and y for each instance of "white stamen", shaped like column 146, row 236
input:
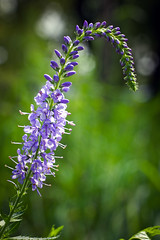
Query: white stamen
column 23, row 113
column 62, row 145
column 16, row 143
column 12, row 159
column 9, row 167
column 70, row 123
column 12, row 183
column 66, row 133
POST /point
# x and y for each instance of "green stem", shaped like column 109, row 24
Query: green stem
column 19, row 196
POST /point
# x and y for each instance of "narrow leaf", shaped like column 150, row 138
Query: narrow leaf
column 31, row 238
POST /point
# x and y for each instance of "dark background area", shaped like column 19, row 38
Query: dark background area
column 108, row 183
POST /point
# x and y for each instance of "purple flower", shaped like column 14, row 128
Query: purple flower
column 57, row 96
column 74, row 63
column 97, row 25
column 66, row 84
column 56, row 78
column 54, row 65
column 64, row 48
column 76, row 42
column 47, row 77
column 62, row 61
column 69, row 67
column 73, row 53
column 88, row 38
column 103, row 24
column 75, row 56
column 67, row 40
column 59, row 55
column 80, row 48
column 65, row 89
column 70, row 73
column 88, row 32
column 85, row 24
column 91, row 25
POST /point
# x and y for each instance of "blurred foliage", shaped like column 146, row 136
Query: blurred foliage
column 108, row 183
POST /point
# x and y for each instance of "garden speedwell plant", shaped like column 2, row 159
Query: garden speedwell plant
column 36, row 159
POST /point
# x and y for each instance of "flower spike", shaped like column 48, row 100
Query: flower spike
column 48, row 122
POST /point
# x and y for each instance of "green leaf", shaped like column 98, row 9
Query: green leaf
column 55, row 231
column 141, row 236
column 147, row 234
column 31, row 238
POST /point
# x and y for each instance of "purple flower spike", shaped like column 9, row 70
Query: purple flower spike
column 66, row 84
column 64, row 48
column 70, row 73
column 56, row 78
column 58, row 53
column 62, row 61
column 76, row 42
column 54, row 65
column 67, row 39
column 47, row 77
column 85, row 24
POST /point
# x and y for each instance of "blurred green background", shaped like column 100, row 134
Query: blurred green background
column 108, row 185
